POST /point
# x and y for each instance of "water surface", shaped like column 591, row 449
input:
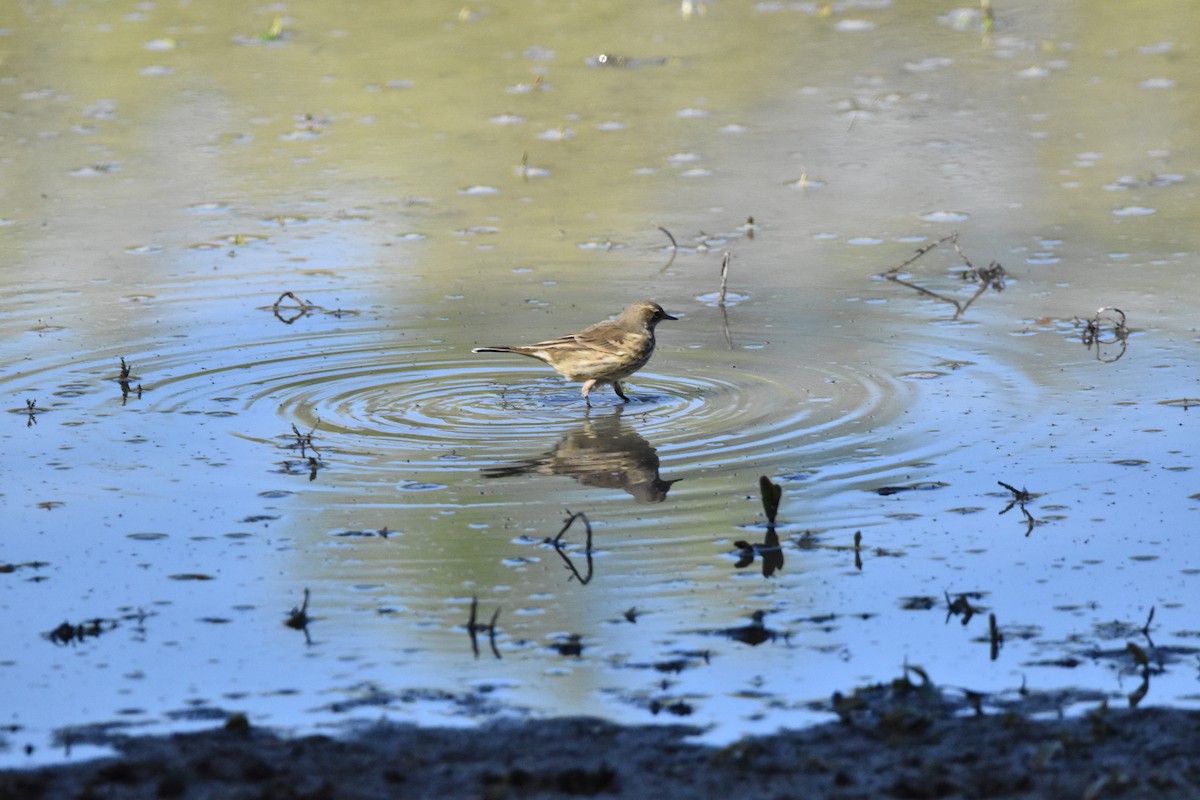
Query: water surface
column 202, row 449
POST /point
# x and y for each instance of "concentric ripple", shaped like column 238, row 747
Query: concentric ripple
column 433, row 409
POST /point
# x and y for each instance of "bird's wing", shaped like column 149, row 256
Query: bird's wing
column 604, row 337
column 555, row 344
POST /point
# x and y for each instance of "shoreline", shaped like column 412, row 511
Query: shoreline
column 905, row 751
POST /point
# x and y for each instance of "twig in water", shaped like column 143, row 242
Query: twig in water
column 960, row 605
column 492, row 632
column 1093, row 332
column 771, row 493
column 304, row 440
column 31, row 409
column 769, row 549
column 1146, row 628
column 674, row 244
column 1149, row 619
column 1019, row 495
column 724, row 279
column 290, row 295
column 301, row 311
column 922, row 251
column 298, row 618
column 990, row 277
column 557, row 543
column 474, row 627
column 1020, row 498
column 123, row 381
column 674, row 250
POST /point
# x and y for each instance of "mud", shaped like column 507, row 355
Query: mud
column 908, row 751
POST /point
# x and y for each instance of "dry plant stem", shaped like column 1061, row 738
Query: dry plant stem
column 922, row 251
column 724, row 279
column 674, row 245
column 674, row 250
column 300, row 302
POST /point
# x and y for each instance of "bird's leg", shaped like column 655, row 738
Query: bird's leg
column 617, row 389
column 587, row 387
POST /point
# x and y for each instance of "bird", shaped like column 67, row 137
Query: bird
column 607, row 352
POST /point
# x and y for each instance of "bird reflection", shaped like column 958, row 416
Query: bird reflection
column 605, row 453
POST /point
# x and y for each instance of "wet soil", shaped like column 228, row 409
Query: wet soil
column 906, row 752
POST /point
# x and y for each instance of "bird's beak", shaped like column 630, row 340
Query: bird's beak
column 668, row 316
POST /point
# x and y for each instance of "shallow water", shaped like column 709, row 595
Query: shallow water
column 427, row 184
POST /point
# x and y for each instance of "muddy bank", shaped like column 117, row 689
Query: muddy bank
column 1109, row 753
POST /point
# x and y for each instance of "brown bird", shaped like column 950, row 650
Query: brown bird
column 606, row 352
